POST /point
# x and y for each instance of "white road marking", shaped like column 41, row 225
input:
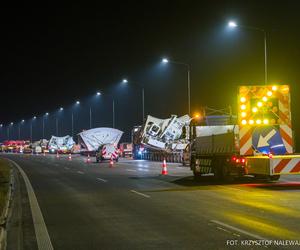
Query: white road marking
column 131, row 170
column 99, row 179
column 67, row 168
column 80, row 172
column 144, row 195
column 41, row 232
column 255, row 236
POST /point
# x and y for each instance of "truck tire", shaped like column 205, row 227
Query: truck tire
column 274, row 177
column 197, row 176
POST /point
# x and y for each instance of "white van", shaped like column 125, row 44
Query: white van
column 107, row 152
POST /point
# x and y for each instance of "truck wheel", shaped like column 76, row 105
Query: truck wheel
column 97, row 160
column 197, row 176
column 274, row 177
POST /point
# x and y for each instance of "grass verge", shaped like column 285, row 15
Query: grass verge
column 4, row 183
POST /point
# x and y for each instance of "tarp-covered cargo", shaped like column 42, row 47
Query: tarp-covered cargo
column 166, row 134
column 216, row 139
column 91, row 139
column 64, row 143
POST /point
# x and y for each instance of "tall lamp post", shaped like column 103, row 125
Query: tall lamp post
column 72, row 118
column 10, row 125
column 31, row 132
column 56, row 121
column 232, row 25
column 91, row 111
column 188, row 67
column 1, row 127
column 45, row 115
column 124, row 81
column 19, row 134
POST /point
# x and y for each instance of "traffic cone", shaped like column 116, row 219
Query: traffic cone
column 88, row 160
column 70, row 157
column 57, row 155
column 111, row 163
column 164, row 170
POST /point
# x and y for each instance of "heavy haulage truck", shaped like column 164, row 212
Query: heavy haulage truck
column 259, row 144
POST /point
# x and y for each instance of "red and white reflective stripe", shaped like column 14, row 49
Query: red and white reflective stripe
column 285, row 166
column 286, row 135
column 103, row 152
column 115, row 154
column 245, row 135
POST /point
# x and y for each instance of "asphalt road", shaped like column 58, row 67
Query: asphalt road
column 131, row 206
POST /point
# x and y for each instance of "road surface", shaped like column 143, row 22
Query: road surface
column 131, row 206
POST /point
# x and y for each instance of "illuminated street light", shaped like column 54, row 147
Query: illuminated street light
column 98, row 93
column 72, row 117
column 232, row 24
column 61, row 109
column 33, row 118
column 46, row 114
column 165, row 61
column 19, row 129
column 124, row 81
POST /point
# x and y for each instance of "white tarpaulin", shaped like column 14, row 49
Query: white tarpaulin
column 165, row 134
column 91, row 139
column 61, row 143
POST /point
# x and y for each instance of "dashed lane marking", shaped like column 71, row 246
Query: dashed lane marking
column 255, row 236
column 141, row 194
column 100, row 179
column 80, row 172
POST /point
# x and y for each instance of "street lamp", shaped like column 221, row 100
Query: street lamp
column 56, row 120
column 10, row 125
column 232, row 24
column 46, row 114
column 188, row 67
column 124, row 81
column 72, row 118
column 33, row 118
column 19, row 134
column 143, row 101
column 91, row 121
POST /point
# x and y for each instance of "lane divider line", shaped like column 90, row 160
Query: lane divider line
column 99, row 179
column 80, row 172
column 67, row 168
column 144, row 195
column 131, row 170
column 41, row 232
column 255, row 236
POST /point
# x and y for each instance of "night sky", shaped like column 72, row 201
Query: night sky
column 53, row 56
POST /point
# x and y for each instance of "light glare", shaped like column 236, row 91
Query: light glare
column 232, row 24
column 243, row 99
column 164, row 60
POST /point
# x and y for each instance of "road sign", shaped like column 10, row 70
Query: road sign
column 267, row 139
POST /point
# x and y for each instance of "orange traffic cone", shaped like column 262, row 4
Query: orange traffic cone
column 88, row 160
column 57, row 155
column 164, row 168
column 70, row 157
column 111, row 163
